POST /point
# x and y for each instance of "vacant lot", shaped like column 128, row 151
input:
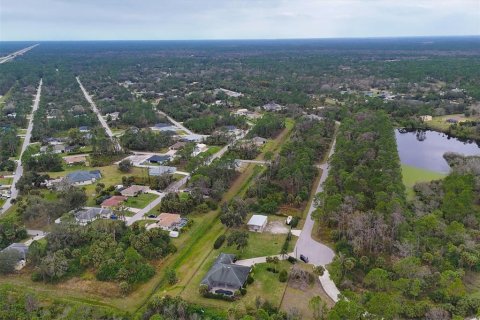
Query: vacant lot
column 140, row 201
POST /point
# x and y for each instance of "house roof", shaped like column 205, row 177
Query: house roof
column 225, row 273
column 230, row 128
column 257, row 220
column 88, row 214
column 133, row 190
column 80, row 176
column 113, row 201
column 162, row 125
column 272, row 106
column 75, row 159
column 159, row 170
column 168, row 219
column 192, row 137
column 21, row 248
column 178, row 145
column 158, row 158
column 259, row 139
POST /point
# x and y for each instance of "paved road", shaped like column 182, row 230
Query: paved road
column 317, row 253
column 12, row 56
column 99, row 116
column 222, row 151
column 19, row 170
column 176, row 123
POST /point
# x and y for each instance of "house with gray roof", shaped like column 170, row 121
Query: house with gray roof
column 89, row 214
column 272, row 106
column 22, row 251
column 82, row 178
column 159, row 170
column 225, row 277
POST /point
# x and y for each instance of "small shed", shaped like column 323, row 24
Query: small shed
column 257, row 223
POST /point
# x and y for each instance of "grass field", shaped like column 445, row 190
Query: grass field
column 441, row 124
column 140, row 201
column 412, row 175
column 259, row 245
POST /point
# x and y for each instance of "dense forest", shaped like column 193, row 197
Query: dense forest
column 396, row 259
column 289, row 177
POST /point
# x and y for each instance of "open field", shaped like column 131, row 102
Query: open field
column 412, row 175
column 440, row 123
column 259, row 245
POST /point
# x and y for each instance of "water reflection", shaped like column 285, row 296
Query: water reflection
column 425, row 149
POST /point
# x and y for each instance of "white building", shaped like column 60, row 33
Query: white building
column 257, row 223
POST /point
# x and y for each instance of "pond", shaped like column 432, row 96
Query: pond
column 425, row 149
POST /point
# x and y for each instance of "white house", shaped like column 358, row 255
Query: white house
column 257, row 223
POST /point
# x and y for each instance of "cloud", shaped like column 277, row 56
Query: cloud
column 234, row 19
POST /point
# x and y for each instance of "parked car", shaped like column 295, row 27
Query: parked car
column 152, row 216
column 289, row 219
column 304, row 258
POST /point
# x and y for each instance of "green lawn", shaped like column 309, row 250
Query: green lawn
column 266, row 285
column 6, row 181
column 140, row 201
column 412, row 175
column 259, row 245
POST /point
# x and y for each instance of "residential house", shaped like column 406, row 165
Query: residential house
column 426, row 118
column 134, row 191
column 159, row 159
column 192, row 138
column 71, row 160
column 89, row 214
column 272, row 106
column 168, row 221
column 22, row 251
column 82, row 178
column 259, row 141
column 165, row 127
column 114, row 116
column 178, row 145
column 113, row 202
column 225, row 277
column 199, row 148
column 160, row 170
column 257, row 223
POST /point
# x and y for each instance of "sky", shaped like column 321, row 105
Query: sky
column 234, row 19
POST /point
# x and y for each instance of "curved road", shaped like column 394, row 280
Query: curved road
column 19, row 170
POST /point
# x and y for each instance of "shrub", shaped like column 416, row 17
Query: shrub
column 294, row 222
column 292, row 260
column 171, row 276
column 219, row 242
column 243, row 291
column 283, row 276
column 250, row 279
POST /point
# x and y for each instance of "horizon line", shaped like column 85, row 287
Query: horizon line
column 258, row 39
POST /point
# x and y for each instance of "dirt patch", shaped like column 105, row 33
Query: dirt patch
column 276, row 227
column 105, row 289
